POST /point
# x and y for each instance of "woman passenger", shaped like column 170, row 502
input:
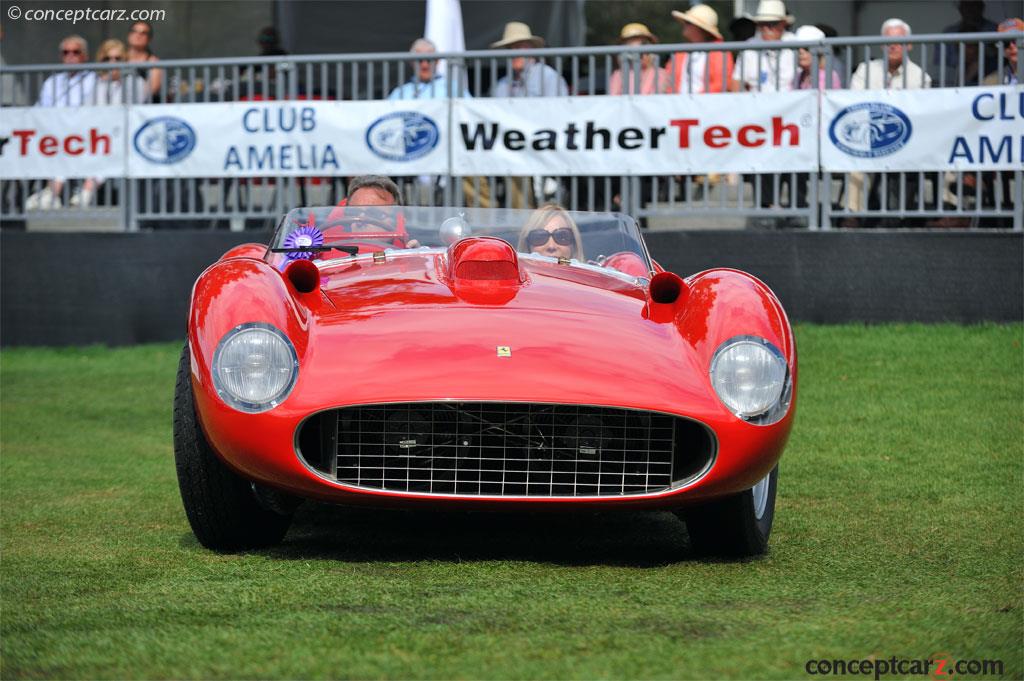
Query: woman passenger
column 551, row 231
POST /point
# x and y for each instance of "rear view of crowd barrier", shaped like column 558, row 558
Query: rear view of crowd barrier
column 809, row 196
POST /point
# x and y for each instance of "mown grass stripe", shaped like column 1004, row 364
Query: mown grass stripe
column 897, row 533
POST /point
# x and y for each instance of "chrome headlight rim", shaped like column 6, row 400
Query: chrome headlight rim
column 229, row 397
column 774, row 412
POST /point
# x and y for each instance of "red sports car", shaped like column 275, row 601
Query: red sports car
column 478, row 359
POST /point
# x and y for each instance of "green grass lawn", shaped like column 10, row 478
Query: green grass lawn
column 897, row 532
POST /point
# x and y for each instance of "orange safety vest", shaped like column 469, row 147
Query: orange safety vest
column 719, row 71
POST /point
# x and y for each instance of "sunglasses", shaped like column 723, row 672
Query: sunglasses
column 538, row 237
column 112, row 59
column 368, row 214
column 67, row 52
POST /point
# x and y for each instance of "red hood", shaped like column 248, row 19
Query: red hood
column 400, row 331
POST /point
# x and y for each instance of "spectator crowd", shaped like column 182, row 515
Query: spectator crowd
column 129, row 72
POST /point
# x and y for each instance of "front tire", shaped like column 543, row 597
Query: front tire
column 221, row 507
column 738, row 526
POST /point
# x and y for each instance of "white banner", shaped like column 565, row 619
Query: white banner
column 661, row 134
column 941, row 129
column 37, row 142
column 296, row 138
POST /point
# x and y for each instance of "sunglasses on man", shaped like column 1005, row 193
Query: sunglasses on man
column 369, row 214
column 538, row 237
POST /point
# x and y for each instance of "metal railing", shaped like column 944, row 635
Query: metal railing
column 816, row 200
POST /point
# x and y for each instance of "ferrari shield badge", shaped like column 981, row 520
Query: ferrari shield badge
column 504, row 351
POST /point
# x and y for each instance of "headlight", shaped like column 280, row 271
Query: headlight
column 254, row 367
column 751, row 378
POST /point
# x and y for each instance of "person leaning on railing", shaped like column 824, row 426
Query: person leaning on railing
column 822, row 76
column 624, row 79
column 140, row 35
column 893, row 72
column 1010, row 73
column 113, row 86
column 699, row 72
column 427, row 83
column 767, row 70
column 989, row 179
column 528, row 77
column 827, row 77
column 67, row 88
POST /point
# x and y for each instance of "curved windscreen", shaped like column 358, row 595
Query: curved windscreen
column 575, row 237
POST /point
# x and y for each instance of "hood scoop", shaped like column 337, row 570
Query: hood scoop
column 484, row 270
column 483, row 258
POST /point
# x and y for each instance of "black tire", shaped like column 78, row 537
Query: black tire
column 730, row 527
column 221, row 507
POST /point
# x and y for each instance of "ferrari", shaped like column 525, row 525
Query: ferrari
column 478, row 360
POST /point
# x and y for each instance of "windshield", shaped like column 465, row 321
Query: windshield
column 328, row 232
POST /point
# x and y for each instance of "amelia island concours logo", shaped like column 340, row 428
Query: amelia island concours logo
column 870, row 130
column 165, row 140
column 402, row 136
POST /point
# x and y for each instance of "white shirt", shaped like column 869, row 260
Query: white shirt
column 127, row 89
column 696, row 63
column 435, row 88
column 70, row 88
column 772, row 71
column 875, row 75
column 535, row 80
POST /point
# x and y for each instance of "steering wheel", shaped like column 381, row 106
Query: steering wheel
column 372, row 240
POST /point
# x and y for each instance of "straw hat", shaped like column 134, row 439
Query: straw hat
column 630, row 31
column 518, row 32
column 770, row 11
column 701, row 16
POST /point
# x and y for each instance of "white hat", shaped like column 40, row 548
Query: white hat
column 809, row 33
column 518, row 32
column 701, row 16
column 770, row 11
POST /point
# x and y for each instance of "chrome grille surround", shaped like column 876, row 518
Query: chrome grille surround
column 499, row 449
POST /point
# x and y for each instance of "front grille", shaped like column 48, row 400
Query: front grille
column 500, row 449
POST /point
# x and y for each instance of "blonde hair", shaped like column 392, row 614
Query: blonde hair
column 539, row 220
column 108, row 45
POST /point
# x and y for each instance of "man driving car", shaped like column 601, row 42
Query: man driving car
column 367, row 191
